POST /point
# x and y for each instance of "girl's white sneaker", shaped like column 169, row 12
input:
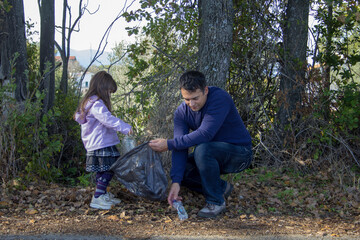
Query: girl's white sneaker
column 101, row 202
column 113, row 198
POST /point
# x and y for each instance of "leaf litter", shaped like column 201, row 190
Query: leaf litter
column 275, row 204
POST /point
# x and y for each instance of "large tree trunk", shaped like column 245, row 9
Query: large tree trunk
column 215, row 43
column 293, row 67
column 13, row 48
column 47, row 55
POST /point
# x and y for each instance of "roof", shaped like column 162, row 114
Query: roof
column 71, row 58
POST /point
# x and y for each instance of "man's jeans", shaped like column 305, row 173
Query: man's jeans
column 208, row 161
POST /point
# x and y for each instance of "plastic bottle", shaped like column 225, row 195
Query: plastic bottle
column 180, row 209
column 128, row 143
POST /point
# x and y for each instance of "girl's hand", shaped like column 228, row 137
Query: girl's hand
column 130, row 132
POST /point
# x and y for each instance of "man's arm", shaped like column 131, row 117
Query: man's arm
column 179, row 157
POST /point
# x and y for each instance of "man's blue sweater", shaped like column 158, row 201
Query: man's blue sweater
column 217, row 121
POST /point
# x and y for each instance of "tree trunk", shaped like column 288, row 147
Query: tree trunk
column 215, row 43
column 328, row 52
column 47, row 55
column 64, row 51
column 13, row 43
column 295, row 35
column 4, row 47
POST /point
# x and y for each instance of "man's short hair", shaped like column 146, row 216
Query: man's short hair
column 193, row 80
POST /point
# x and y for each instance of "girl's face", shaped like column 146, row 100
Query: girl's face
column 111, row 91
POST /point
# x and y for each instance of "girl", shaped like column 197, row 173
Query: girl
column 99, row 135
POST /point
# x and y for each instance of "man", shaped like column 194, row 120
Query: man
column 222, row 143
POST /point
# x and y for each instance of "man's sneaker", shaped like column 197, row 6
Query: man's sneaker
column 113, row 198
column 211, row 210
column 101, row 202
column 228, row 190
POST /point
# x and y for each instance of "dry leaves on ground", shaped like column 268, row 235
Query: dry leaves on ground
column 262, row 203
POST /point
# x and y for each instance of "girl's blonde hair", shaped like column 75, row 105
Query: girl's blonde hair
column 102, row 85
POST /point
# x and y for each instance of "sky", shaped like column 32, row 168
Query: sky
column 92, row 27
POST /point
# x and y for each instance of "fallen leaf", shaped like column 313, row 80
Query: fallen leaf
column 31, row 211
column 113, row 218
column 168, row 219
column 104, row 212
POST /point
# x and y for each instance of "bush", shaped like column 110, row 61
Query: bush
column 37, row 144
column 25, row 141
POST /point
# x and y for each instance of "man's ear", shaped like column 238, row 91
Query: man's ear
column 206, row 90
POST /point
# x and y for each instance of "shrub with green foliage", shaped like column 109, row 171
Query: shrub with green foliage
column 25, row 141
column 71, row 157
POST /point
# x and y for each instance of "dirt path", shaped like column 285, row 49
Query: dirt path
column 78, row 237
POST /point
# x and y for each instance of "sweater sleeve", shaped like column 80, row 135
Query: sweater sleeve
column 179, row 157
column 104, row 116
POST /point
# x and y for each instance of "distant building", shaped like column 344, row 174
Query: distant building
column 71, row 59
column 85, row 82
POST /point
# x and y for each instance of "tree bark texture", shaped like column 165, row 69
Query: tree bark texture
column 328, row 52
column 295, row 35
column 215, row 44
column 12, row 42
column 4, row 47
column 64, row 51
column 47, row 55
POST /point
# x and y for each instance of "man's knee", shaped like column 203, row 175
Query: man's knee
column 201, row 150
column 203, row 156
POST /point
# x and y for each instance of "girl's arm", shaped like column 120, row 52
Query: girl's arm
column 104, row 116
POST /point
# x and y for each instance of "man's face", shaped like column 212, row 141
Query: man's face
column 195, row 100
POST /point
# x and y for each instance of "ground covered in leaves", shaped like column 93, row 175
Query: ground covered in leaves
column 262, row 203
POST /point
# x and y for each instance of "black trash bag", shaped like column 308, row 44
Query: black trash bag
column 141, row 172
